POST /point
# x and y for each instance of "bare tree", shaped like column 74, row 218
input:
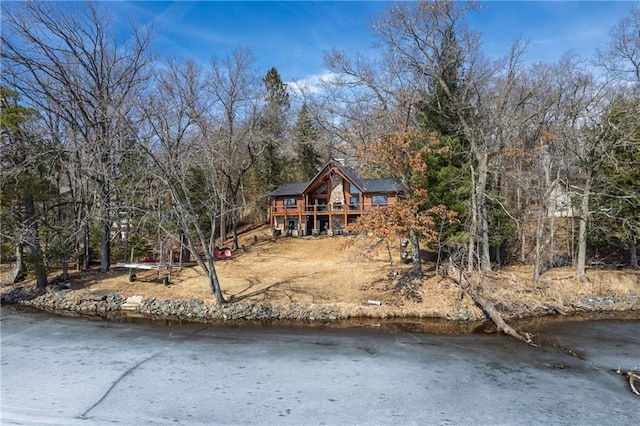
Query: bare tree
column 591, row 150
column 372, row 107
column 68, row 64
column 621, row 57
column 184, row 165
column 231, row 125
column 611, row 144
column 549, row 114
column 363, row 100
column 421, row 37
column 617, row 129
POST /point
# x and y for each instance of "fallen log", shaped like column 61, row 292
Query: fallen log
column 487, row 307
column 632, row 376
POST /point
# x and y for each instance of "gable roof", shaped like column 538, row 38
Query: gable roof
column 353, row 176
column 349, row 173
column 364, row 185
column 382, row 185
column 289, row 189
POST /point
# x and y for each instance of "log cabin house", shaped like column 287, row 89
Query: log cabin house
column 336, row 197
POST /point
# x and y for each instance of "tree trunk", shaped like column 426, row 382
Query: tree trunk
column 415, row 253
column 207, row 263
column 33, row 244
column 552, row 219
column 87, row 246
column 17, row 270
column 65, row 266
column 390, row 255
column 545, row 203
column 473, row 230
column 483, row 215
column 185, row 253
column 633, row 251
column 234, row 229
column 223, row 229
column 582, row 230
column 207, row 260
column 439, row 247
column 489, row 310
column 537, row 261
column 105, row 228
column 485, row 252
column 521, row 231
column 214, row 284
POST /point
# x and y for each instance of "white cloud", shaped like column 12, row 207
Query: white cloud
column 312, row 84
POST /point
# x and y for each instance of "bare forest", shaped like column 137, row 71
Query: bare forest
column 109, row 151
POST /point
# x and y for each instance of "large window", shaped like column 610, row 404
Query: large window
column 379, row 200
column 354, row 203
column 289, row 202
column 324, row 189
column 321, row 204
column 353, row 189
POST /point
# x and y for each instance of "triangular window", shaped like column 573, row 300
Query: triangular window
column 324, row 189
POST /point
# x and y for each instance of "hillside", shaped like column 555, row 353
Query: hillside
column 352, row 275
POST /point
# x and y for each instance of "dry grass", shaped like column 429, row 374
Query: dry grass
column 513, row 287
column 346, row 272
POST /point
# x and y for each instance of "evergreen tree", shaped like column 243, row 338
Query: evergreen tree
column 447, row 172
column 615, row 206
column 23, row 183
column 307, row 159
column 273, row 126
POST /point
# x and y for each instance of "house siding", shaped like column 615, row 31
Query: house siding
column 325, row 204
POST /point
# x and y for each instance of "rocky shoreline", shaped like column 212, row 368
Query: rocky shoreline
column 63, row 302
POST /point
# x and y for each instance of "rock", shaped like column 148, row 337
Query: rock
column 106, row 304
column 16, row 295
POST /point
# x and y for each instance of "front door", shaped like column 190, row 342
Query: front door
column 323, row 226
column 310, row 227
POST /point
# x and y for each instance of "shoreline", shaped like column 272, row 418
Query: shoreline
column 464, row 321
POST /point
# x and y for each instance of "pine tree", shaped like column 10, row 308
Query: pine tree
column 274, row 130
column 307, row 159
column 23, row 184
column 447, row 173
column 615, row 205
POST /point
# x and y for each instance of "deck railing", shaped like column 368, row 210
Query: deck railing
column 324, row 209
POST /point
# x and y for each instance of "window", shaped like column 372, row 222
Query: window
column 353, row 189
column 289, row 202
column 354, row 203
column 379, row 200
column 324, row 189
column 321, row 204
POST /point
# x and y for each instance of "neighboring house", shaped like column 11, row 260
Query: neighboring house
column 336, row 197
column 562, row 204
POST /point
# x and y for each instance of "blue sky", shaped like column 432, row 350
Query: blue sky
column 293, row 36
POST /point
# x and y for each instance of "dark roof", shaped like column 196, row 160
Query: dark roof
column 289, row 189
column 365, row 185
column 370, row 185
column 353, row 176
column 382, row 185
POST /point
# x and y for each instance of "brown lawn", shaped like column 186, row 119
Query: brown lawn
column 349, row 272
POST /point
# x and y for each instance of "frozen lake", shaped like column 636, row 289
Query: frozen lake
column 73, row 371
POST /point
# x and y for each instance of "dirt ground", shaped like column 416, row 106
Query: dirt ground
column 353, row 272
